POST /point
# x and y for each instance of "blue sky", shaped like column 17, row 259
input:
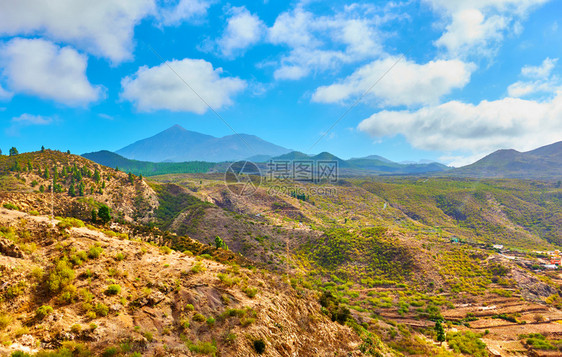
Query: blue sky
column 431, row 79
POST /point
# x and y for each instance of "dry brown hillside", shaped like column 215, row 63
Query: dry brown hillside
column 67, row 285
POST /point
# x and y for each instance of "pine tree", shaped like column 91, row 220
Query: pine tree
column 71, row 190
column 0, row 151
column 42, row 148
column 46, row 175
column 103, row 214
column 97, row 176
column 440, row 331
column 81, row 189
column 131, row 178
column 14, row 151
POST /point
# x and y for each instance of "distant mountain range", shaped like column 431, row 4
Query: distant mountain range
column 177, row 150
column 542, row 163
column 361, row 166
column 177, row 144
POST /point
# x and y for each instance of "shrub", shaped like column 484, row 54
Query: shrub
column 247, row 321
column 113, row 289
column 60, row 276
column 110, row 352
column 467, row 342
column 76, row 329
column 11, row 206
column 69, row 222
column 43, row 311
column 148, row 335
column 197, row 268
column 95, row 251
column 5, row 320
column 210, row 321
column 259, row 346
column 206, row 348
column 189, row 307
column 101, row 309
column 251, row 292
column 198, row 317
column 165, row 250
column 119, row 256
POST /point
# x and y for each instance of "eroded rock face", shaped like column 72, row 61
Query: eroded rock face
column 8, row 248
column 531, row 287
column 168, row 302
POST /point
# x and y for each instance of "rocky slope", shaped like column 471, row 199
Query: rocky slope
column 69, row 286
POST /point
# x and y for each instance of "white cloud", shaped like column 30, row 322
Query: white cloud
column 475, row 27
column 39, row 67
column 320, row 43
column 101, row 27
column 543, row 71
column 30, row 119
column 243, row 30
column 5, row 95
column 182, row 10
column 25, row 120
column 159, row 88
column 460, row 127
column 541, row 80
column 406, row 83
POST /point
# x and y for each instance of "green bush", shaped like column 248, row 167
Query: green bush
column 43, row 311
column 199, row 317
column 259, row 346
column 206, row 348
column 69, row 222
column 95, row 251
column 467, row 342
column 251, row 292
column 113, row 289
column 101, row 309
column 60, row 276
column 11, row 206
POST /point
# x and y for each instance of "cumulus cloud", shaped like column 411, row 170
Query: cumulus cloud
column 101, row 27
column 460, row 127
column 539, row 80
column 320, row 43
column 243, row 30
column 474, row 26
column 541, row 72
column 39, row 67
column 153, row 88
column 407, row 83
column 175, row 12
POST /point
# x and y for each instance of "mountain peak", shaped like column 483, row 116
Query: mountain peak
column 175, row 127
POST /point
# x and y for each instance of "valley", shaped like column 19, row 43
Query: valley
column 381, row 259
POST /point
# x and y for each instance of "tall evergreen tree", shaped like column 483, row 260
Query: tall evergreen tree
column 72, row 190
column 440, row 331
column 14, row 151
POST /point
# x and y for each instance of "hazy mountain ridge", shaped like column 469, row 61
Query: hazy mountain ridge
column 177, row 144
column 542, row 163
